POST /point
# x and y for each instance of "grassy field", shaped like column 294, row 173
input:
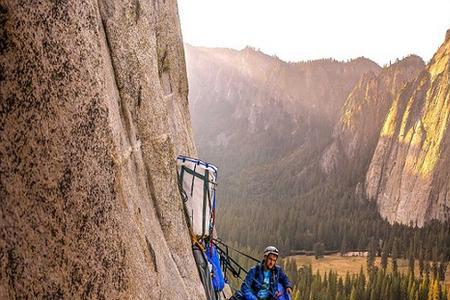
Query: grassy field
column 342, row 265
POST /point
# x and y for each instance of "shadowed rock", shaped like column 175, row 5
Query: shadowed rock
column 93, row 110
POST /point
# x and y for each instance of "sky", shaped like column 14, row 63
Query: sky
column 381, row 30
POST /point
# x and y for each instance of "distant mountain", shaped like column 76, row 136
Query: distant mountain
column 249, row 108
column 409, row 175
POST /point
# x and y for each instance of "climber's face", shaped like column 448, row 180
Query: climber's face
column 270, row 261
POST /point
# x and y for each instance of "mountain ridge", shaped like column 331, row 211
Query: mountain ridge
column 254, row 97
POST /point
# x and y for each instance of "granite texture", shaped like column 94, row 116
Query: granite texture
column 93, row 111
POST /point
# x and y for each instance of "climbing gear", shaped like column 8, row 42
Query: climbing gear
column 197, row 186
column 219, row 241
column 203, row 270
column 197, row 180
column 217, row 275
column 270, row 250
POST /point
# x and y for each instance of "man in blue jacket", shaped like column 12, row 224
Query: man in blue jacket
column 266, row 280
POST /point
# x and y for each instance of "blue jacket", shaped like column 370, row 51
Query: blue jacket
column 255, row 277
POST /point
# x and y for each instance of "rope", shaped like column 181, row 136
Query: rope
column 227, row 262
column 242, row 253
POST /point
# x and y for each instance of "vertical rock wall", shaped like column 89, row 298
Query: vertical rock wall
column 409, row 175
column 93, row 111
column 356, row 133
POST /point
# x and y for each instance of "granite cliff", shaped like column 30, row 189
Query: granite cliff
column 356, row 132
column 409, row 175
column 93, row 111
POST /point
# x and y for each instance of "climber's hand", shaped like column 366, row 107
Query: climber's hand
column 289, row 291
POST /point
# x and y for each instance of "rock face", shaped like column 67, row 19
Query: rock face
column 356, row 133
column 93, row 110
column 409, row 175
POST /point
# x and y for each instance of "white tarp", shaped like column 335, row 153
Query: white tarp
column 198, row 180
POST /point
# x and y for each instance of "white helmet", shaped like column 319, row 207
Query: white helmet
column 270, row 250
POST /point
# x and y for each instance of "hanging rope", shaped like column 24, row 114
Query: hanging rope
column 228, row 263
column 218, row 241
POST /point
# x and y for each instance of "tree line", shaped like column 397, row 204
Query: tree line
column 379, row 283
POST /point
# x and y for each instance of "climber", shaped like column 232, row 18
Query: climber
column 266, row 280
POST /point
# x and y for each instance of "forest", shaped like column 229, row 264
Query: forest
column 385, row 281
column 379, row 284
column 333, row 216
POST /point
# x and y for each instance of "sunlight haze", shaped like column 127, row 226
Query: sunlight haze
column 304, row 30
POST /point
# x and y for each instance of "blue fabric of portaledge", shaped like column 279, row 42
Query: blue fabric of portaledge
column 217, row 274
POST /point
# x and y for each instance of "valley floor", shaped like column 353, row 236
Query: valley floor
column 352, row 265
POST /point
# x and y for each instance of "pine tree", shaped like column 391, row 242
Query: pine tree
column 395, row 256
column 394, row 293
column 433, row 292
column 318, row 250
column 412, row 292
column 379, row 283
column 421, row 263
column 354, row 294
column 442, row 268
column 371, row 256
column 373, row 295
column 411, row 258
column 347, row 284
column 427, row 269
column 423, row 289
column 344, row 246
column 384, row 255
column 445, row 295
column 434, row 264
column 340, row 296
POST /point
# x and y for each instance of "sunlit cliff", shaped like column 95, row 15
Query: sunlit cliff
column 356, row 133
column 408, row 175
